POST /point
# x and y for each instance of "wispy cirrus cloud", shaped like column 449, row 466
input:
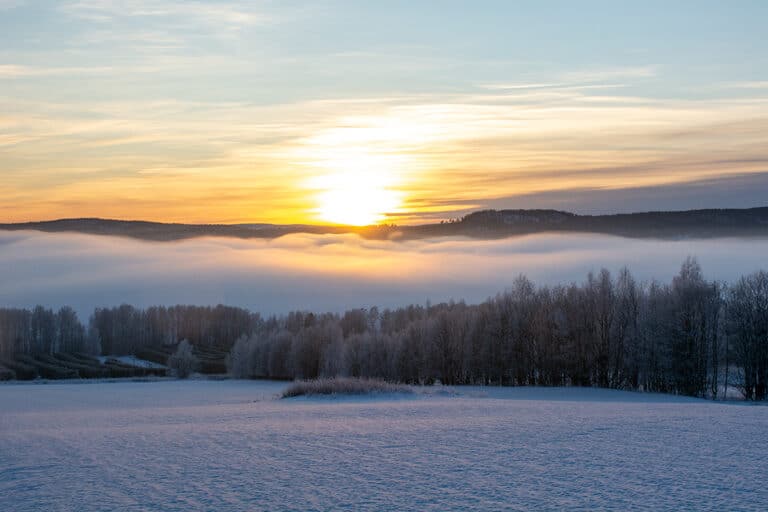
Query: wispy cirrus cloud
column 161, row 25
column 755, row 84
column 600, row 75
column 223, row 15
column 21, row 71
column 594, row 79
column 546, row 88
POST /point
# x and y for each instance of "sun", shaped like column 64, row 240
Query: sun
column 359, row 170
column 356, row 206
column 358, row 198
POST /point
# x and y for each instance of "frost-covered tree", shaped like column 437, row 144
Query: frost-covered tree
column 239, row 361
column 183, row 362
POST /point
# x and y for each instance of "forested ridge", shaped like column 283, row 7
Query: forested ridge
column 485, row 224
column 690, row 336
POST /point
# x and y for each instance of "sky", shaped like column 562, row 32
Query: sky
column 355, row 112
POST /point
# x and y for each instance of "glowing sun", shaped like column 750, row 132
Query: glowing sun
column 359, row 170
column 356, row 199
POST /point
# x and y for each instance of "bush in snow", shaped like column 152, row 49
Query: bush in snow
column 343, row 386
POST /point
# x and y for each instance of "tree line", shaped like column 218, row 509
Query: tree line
column 690, row 336
column 42, row 331
column 121, row 330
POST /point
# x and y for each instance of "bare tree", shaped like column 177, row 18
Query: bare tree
column 606, row 331
column 747, row 317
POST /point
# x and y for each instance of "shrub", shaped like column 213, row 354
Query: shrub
column 49, row 371
column 154, row 372
column 153, row 355
column 183, row 362
column 77, row 359
column 23, row 371
column 343, row 386
column 7, row 374
column 119, row 371
column 210, row 366
column 86, row 371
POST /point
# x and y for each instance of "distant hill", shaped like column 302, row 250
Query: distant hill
column 158, row 231
column 669, row 225
column 481, row 224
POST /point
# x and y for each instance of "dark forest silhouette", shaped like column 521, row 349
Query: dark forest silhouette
column 486, row 224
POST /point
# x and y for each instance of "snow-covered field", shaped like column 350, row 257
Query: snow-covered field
column 230, row 445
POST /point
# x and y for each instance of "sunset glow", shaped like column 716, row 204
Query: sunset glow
column 383, row 255
column 356, row 200
column 268, row 113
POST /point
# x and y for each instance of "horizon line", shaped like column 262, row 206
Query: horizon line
column 379, row 225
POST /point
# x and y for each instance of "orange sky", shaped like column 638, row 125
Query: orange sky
column 248, row 113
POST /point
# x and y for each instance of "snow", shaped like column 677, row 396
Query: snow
column 232, row 445
column 133, row 361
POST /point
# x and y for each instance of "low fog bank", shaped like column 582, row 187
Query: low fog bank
column 330, row 272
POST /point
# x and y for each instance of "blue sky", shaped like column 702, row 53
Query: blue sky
column 261, row 109
column 319, row 48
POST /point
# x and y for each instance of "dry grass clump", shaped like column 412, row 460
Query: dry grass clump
column 343, row 386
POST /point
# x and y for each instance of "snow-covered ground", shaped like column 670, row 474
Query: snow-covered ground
column 132, row 360
column 230, row 445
